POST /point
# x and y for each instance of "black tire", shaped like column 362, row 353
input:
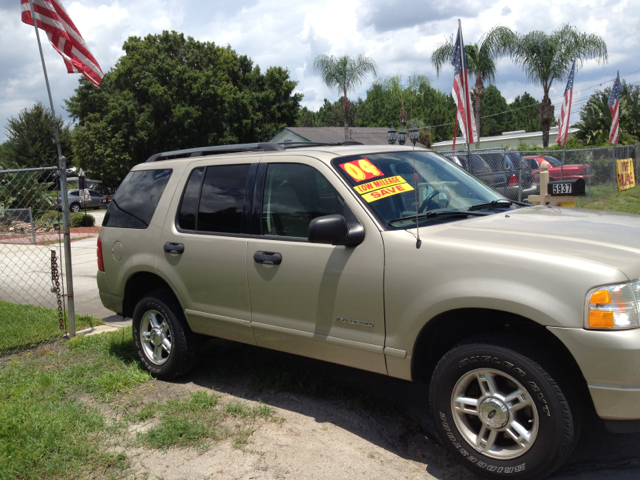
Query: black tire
column 184, row 344
column 75, row 207
column 551, row 419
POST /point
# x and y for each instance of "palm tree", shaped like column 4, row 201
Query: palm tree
column 546, row 58
column 344, row 74
column 480, row 59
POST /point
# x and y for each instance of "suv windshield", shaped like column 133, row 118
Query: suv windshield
column 436, row 188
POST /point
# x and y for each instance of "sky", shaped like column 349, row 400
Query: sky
column 400, row 35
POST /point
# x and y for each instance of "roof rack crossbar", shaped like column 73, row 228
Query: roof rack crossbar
column 243, row 147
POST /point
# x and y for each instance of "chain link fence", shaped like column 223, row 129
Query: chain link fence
column 516, row 174
column 31, row 252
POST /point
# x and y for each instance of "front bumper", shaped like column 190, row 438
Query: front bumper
column 610, row 363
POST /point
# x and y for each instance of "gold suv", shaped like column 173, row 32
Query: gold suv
column 394, row 261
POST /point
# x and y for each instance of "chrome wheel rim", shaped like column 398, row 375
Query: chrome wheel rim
column 494, row 413
column 155, row 337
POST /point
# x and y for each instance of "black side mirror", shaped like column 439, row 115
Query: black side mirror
column 330, row 229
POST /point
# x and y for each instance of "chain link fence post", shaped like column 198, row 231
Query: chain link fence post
column 66, row 223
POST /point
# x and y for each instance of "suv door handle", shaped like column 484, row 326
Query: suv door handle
column 268, row 258
column 174, row 247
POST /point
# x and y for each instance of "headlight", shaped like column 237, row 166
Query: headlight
column 613, row 307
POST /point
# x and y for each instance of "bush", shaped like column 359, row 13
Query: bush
column 82, row 220
column 49, row 217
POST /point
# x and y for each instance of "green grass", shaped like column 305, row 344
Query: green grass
column 62, row 405
column 24, row 326
column 200, row 419
column 604, row 198
column 46, row 430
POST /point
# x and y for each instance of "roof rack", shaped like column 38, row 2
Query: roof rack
column 242, row 147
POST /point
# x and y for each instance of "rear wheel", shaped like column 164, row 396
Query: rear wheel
column 75, row 207
column 501, row 413
column 165, row 344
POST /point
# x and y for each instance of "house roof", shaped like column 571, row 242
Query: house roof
column 364, row 135
column 507, row 138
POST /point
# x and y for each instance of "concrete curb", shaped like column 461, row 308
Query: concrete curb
column 98, row 329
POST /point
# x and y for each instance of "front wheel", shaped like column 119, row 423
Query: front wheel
column 501, row 413
column 165, row 345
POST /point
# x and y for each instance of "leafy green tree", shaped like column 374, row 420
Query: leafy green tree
column 480, row 60
column 523, row 114
column 344, row 74
column 495, row 110
column 170, row 92
column 401, row 92
column 31, row 141
column 425, row 106
column 595, row 119
column 546, row 58
column 329, row 115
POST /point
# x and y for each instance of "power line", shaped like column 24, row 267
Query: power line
column 556, row 104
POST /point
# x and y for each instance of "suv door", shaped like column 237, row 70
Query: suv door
column 205, row 242
column 315, row 300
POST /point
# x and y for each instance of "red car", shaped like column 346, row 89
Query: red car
column 557, row 172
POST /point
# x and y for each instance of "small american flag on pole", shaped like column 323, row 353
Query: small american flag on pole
column 461, row 94
column 565, row 112
column 614, row 108
column 64, row 37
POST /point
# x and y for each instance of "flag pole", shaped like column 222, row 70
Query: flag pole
column 62, row 162
column 466, row 95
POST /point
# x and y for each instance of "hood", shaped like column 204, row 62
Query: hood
column 608, row 238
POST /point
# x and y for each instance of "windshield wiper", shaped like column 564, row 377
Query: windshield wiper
column 503, row 202
column 441, row 213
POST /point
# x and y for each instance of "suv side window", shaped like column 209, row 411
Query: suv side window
column 213, row 201
column 294, row 195
column 136, row 200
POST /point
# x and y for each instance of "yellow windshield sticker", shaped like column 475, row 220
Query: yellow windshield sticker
column 385, row 187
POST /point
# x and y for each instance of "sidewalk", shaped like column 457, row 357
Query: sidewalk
column 35, row 284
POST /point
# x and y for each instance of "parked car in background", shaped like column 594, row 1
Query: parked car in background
column 106, row 200
column 507, row 169
column 74, row 200
column 557, row 171
column 480, row 168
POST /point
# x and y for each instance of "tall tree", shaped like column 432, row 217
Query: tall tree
column 329, row 115
column 523, row 114
column 402, row 93
column 170, row 92
column 547, row 58
column 31, row 142
column 495, row 113
column 344, row 74
column 480, row 60
column 424, row 106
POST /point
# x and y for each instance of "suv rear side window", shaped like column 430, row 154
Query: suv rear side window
column 136, row 200
column 213, row 201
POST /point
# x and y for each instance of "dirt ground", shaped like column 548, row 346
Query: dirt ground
column 339, row 423
column 323, row 435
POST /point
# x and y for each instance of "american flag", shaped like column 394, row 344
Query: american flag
column 461, row 94
column 565, row 112
column 614, row 108
column 64, row 37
